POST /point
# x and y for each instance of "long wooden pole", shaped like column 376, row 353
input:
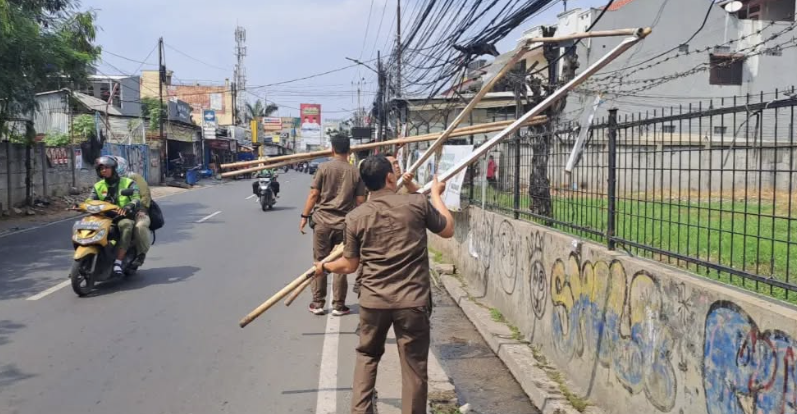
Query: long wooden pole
column 298, row 291
column 308, row 275
column 521, row 52
column 281, row 161
column 550, row 100
column 325, row 153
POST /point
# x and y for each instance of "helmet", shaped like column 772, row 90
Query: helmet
column 121, row 165
column 106, row 161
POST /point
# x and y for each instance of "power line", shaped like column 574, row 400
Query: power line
column 197, row 60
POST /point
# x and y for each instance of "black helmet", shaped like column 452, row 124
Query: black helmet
column 106, row 161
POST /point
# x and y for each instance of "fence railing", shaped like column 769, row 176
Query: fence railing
column 708, row 187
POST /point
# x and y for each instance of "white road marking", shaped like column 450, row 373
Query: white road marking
column 53, row 289
column 250, row 196
column 328, row 371
column 204, row 219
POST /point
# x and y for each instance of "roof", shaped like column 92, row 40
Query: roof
column 618, row 4
column 95, row 104
column 112, row 77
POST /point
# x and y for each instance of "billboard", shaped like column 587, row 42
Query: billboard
column 310, row 115
column 271, row 124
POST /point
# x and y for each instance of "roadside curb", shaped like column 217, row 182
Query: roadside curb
column 518, row 357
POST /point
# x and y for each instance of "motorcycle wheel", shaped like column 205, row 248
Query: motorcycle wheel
column 262, row 204
column 82, row 284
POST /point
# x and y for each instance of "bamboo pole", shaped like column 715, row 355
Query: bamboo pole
column 584, row 35
column 308, row 275
column 521, row 52
column 324, row 153
column 545, row 104
column 273, row 162
column 298, row 291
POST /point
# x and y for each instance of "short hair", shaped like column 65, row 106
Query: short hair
column 340, row 143
column 374, row 171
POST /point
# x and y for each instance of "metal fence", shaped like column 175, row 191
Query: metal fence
column 707, row 187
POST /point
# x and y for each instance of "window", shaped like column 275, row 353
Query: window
column 720, row 130
column 684, row 48
column 668, row 129
column 726, row 69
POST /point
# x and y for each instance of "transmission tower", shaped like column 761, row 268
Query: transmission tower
column 240, row 69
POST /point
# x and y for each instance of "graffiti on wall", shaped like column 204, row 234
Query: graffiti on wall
column 747, row 370
column 506, row 245
column 600, row 312
column 538, row 283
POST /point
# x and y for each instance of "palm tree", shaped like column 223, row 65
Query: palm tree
column 258, row 111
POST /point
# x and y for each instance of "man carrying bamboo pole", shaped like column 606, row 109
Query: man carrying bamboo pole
column 387, row 234
column 336, row 190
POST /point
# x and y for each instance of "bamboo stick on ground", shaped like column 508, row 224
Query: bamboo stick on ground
column 309, row 274
column 272, row 162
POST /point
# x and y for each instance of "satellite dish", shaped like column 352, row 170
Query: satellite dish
column 733, row 6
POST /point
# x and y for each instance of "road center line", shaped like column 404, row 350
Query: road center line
column 51, row 290
column 204, row 219
column 250, row 197
column 328, row 371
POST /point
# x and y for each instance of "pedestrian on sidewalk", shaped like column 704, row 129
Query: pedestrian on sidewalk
column 387, row 234
column 336, row 190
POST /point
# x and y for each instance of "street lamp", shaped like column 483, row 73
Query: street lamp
column 381, row 78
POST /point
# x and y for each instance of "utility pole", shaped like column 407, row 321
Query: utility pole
column 161, row 80
column 240, row 70
column 381, row 96
column 398, row 47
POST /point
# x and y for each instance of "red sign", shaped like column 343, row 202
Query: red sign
column 310, row 113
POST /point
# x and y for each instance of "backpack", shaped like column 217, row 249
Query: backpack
column 155, row 216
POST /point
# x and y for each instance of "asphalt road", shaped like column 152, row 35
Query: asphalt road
column 168, row 341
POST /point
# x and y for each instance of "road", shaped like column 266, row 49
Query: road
column 168, row 341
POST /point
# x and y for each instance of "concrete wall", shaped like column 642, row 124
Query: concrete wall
column 59, row 175
column 633, row 335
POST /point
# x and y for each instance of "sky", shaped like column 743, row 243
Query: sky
column 286, row 39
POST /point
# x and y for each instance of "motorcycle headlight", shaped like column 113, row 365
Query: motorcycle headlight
column 94, row 209
column 93, row 239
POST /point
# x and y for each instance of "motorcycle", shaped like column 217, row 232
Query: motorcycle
column 95, row 238
column 265, row 193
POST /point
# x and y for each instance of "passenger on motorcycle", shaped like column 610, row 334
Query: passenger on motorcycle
column 109, row 189
column 141, row 235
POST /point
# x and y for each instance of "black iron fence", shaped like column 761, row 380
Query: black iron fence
column 707, row 187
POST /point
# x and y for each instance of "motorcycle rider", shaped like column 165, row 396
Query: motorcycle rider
column 109, row 189
column 267, row 173
column 141, row 235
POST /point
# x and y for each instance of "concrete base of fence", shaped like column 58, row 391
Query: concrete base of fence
column 634, row 335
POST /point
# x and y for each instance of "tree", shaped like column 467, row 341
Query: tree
column 42, row 43
column 149, row 107
column 83, row 127
column 258, row 111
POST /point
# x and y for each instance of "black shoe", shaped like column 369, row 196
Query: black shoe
column 139, row 260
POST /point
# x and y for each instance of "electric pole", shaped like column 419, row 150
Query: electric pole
column 381, row 96
column 398, row 47
column 161, row 80
column 240, row 70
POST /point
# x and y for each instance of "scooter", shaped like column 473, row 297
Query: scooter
column 95, row 238
column 265, row 194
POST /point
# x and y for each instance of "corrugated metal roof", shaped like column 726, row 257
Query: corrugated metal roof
column 95, row 104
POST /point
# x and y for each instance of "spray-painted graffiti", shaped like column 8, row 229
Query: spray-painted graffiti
column 747, row 370
column 506, row 252
column 601, row 313
column 538, row 283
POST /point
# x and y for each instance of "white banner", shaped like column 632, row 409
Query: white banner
column 451, row 155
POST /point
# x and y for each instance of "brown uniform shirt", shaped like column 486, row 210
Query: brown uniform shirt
column 388, row 234
column 338, row 183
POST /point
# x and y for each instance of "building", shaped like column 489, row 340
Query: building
column 198, row 96
column 126, row 92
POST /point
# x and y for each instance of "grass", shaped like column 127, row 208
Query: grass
column 497, row 316
column 577, row 402
column 444, row 409
column 437, row 257
column 758, row 238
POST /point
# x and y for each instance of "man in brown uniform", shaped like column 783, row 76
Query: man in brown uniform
column 388, row 235
column 336, row 190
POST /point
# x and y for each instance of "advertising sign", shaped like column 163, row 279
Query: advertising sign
column 180, row 111
column 271, row 124
column 311, row 123
column 453, row 154
column 209, row 117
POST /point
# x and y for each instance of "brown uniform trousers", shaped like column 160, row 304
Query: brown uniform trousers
column 412, row 338
column 324, row 240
